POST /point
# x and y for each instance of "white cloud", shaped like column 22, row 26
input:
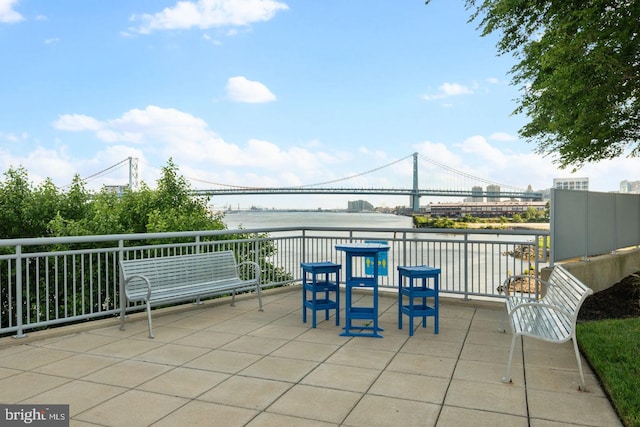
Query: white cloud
column 205, row 14
column 502, row 136
column 76, row 123
column 447, row 90
column 240, row 89
column 7, row 14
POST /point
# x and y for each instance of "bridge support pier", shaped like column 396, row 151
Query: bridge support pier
column 415, row 192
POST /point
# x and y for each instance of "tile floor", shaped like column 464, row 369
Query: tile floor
column 235, row 366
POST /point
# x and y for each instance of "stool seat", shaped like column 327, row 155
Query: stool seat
column 319, row 281
column 417, row 285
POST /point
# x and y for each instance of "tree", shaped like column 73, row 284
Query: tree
column 579, row 72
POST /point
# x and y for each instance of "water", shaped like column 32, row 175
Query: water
column 262, row 219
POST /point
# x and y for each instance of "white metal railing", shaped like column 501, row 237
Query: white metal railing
column 49, row 281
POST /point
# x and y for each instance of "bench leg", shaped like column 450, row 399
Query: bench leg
column 259, row 292
column 149, row 319
column 507, row 377
column 583, row 386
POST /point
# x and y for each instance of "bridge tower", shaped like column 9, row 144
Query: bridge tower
column 415, row 197
column 133, row 174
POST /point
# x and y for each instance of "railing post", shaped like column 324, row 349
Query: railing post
column 20, row 324
column 122, row 296
column 466, row 266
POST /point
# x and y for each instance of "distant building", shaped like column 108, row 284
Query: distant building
column 578, row 184
column 484, row 209
column 117, row 189
column 359, row 206
column 630, row 187
column 477, row 194
column 493, row 193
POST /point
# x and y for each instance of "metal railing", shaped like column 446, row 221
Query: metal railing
column 50, row 281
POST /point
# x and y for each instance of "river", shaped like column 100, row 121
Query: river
column 263, row 219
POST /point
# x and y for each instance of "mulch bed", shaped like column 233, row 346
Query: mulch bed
column 620, row 301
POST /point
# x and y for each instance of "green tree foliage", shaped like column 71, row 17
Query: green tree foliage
column 579, row 71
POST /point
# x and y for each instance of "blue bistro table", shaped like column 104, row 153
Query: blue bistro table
column 417, row 293
column 368, row 315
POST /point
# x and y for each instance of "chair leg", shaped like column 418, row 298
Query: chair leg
column 583, row 386
column 507, row 377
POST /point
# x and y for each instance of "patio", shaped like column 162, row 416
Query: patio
column 235, row 366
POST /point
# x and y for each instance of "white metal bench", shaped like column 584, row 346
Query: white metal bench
column 166, row 280
column 551, row 318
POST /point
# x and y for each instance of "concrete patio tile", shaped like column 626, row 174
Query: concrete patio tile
column 473, row 370
column 491, row 353
column 83, row 394
column 411, row 387
column 279, row 331
column 207, row 339
column 28, row 384
column 381, row 411
column 422, row 365
column 246, row 392
column 267, row 419
column 131, row 327
column 323, row 336
column 316, row 403
column 446, row 332
column 236, row 326
column 561, row 380
column 502, row 398
column 453, row 416
column 254, row 345
column 163, row 333
column 132, row 409
column 373, row 359
column 128, row 373
column 184, row 382
column 33, row 358
column 425, row 346
column 280, row 369
column 305, row 351
column 575, row 407
column 223, row 361
column 126, row 348
column 172, row 354
column 207, row 414
column 342, row 377
column 196, row 323
column 489, row 337
column 81, row 342
column 5, row 372
column 77, row 366
column 390, row 342
column 554, row 359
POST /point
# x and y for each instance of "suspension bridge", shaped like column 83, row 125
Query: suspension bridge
column 441, row 181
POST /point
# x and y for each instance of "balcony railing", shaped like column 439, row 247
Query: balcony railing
column 50, row 281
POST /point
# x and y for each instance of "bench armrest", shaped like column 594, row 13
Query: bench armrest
column 555, row 308
column 254, row 266
column 141, row 277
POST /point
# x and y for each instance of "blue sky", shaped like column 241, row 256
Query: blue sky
column 263, row 93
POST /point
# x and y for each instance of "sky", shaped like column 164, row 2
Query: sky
column 267, row 93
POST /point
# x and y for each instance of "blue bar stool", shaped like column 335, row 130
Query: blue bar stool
column 320, row 279
column 418, row 278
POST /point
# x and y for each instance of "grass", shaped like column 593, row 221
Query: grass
column 612, row 347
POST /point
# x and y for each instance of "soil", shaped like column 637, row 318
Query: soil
column 620, row 301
